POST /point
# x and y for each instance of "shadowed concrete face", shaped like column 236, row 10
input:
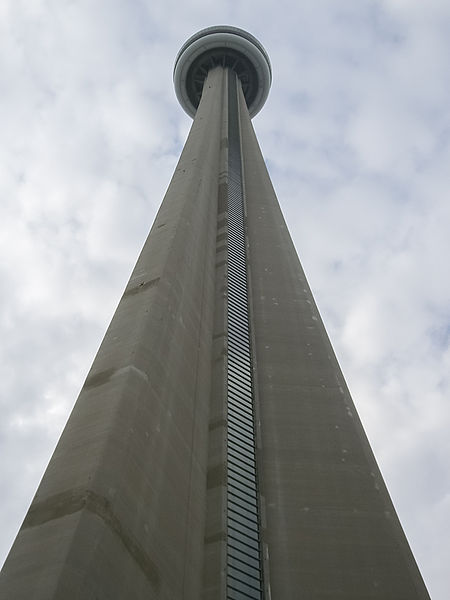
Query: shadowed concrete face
column 330, row 527
column 140, row 498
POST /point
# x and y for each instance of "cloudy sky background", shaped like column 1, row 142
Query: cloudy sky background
column 356, row 134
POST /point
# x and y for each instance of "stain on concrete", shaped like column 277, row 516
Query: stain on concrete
column 216, row 476
column 220, row 536
column 217, row 423
column 144, row 285
column 99, row 378
column 222, row 198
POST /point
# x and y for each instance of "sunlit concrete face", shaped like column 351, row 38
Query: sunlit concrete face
column 214, row 451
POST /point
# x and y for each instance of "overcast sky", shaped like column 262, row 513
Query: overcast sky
column 356, row 134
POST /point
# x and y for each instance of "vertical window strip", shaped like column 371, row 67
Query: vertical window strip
column 243, row 580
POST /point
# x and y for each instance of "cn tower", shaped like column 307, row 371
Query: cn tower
column 214, row 451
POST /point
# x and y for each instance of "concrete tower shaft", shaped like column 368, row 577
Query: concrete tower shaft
column 214, row 451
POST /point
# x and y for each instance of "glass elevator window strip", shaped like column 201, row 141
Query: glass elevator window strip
column 239, row 383
column 247, row 550
column 248, row 458
column 241, row 379
column 238, row 338
column 245, row 511
column 238, row 361
column 241, row 558
column 242, row 424
column 240, row 393
column 244, row 577
column 239, row 321
column 240, row 397
column 238, row 388
column 251, row 580
column 235, row 302
column 242, row 411
column 244, row 450
column 241, row 408
column 235, row 345
column 237, row 399
column 242, row 438
column 244, row 486
column 246, row 534
column 241, row 359
column 239, row 582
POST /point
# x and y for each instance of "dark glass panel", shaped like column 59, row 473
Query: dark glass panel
column 242, row 486
column 237, row 556
column 235, row 532
column 242, row 587
column 244, row 577
column 246, row 528
column 234, row 433
column 245, row 424
column 247, row 511
column 243, row 409
column 247, row 467
column 237, row 495
column 239, row 390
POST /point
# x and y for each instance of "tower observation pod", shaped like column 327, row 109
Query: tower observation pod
column 226, row 47
column 214, row 451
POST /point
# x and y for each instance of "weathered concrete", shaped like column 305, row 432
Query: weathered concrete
column 120, row 512
column 331, row 531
